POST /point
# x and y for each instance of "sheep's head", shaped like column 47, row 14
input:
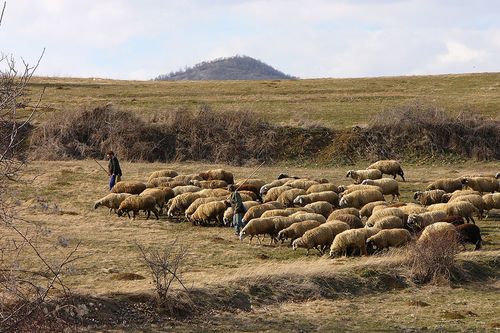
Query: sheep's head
column 349, row 173
column 343, row 203
column 282, row 175
column 464, row 180
column 414, row 222
column 282, row 235
column 417, row 195
column 367, row 182
column 446, row 197
column 371, row 247
column 243, row 234
column 295, row 244
column 497, row 176
column 97, row 204
column 298, row 200
column 120, row 212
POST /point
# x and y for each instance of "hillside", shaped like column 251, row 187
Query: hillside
column 233, row 68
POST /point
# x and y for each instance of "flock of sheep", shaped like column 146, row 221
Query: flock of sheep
column 313, row 213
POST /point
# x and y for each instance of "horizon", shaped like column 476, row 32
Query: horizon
column 123, row 40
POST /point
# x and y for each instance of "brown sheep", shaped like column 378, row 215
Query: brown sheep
column 286, row 198
column 296, row 230
column 358, row 199
column 354, row 222
column 320, row 237
column 209, row 184
column 323, row 187
column 328, row 196
column 482, row 184
column 361, row 175
column 447, row 184
column 389, row 167
column 257, row 211
column 342, row 211
column 387, row 238
column 162, row 173
column 366, row 210
column 218, row 174
column 130, row 187
column 210, row 211
column 388, row 186
column 469, row 233
column 136, row 203
column 352, row 238
column 427, row 198
column 274, row 193
column 462, row 208
column 321, row 207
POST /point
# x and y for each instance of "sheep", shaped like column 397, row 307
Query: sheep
column 491, row 201
column 135, row 203
column 256, row 211
column 303, row 184
column 328, row 196
column 209, row 184
column 389, row 167
column 417, row 222
column 388, row 186
column 366, row 210
column 454, row 219
column 216, row 192
column 387, row 238
column 389, row 222
column 482, row 184
column 252, row 181
column 197, row 203
column 458, row 193
column 257, row 226
column 412, row 209
column 361, row 175
column 210, row 211
column 112, row 201
column 469, row 233
column 129, row 187
column 437, row 207
column 462, row 208
column 353, row 238
column 287, row 197
column 497, row 176
column 250, row 188
column 322, row 187
column 185, row 189
column 173, row 183
column 286, row 176
column 159, row 181
column 377, row 215
column 437, row 230
column 228, row 213
column 186, row 179
column 158, row 194
column 427, row 198
column 275, row 192
column 446, row 184
column 320, row 237
column 321, row 207
column 218, row 174
column 353, row 221
column 475, row 199
column 358, row 199
column 181, row 202
column 319, row 180
column 342, row 211
column 285, row 212
column 162, row 173
column 276, row 183
column 296, row 230
column 351, row 188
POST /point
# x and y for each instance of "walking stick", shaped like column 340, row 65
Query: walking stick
column 100, row 166
column 250, row 175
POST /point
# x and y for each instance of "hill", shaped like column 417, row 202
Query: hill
column 233, row 68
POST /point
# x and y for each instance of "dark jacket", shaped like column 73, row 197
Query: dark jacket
column 237, row 203
column 114, row 167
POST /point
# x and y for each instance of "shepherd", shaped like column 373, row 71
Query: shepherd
column 114, row 170
column 238, row 209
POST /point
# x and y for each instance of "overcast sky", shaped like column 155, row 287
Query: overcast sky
column 132, row 39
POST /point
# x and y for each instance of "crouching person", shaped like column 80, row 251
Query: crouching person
column 238, row 209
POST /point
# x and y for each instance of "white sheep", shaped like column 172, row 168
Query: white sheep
column 361, row 175
column 112, row 201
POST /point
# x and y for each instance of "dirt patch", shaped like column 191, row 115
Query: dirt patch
column 127, row 277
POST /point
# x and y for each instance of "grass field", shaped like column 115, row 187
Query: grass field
column 280, row 289
column 335, row 103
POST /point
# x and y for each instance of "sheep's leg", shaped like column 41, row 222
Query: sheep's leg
column 128, row 214
column 472, row 219
column 363, row 251
column 156, row 213
column 110, row 211
column 148, row 213
column 133, row 215
column 258, row 238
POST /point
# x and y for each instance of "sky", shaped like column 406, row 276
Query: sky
column 131, row 39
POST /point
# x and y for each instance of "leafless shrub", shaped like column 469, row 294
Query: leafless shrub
column 432, row 260
column 166, row 266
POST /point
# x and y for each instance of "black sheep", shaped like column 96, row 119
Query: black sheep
column 469, row 233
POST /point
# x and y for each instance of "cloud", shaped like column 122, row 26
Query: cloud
column 460, row 53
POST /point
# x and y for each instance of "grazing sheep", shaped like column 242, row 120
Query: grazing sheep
column 417, row 222
column 352, row 188
column 412, row 209
column 276, row 183
column 186, row 179
column 181, row 202
column 446, row 184
column 218, row 174
column 469, row 233
column 297, row 230
column 391, row 211
column 302, row 216
column 247, row 196
column 323, row 187
column 287, row 197
column 257, row 211
column 158, row 194
column 228, row 213
column 136, row 203
column 454, row 219
column 353, row 238
column 387, row 238
column 342, row 211
column 286, row 176
column 358, row 199
column 462, row 208
column 210, row 211
column 112, row 201
column 162, row 173
column 209, row 184
column 353, row 221
column 252, row 181
column 159, row 181
column 389, row 167
column 491, row 201
column 320, row 237
column 482, row 184
column 437, row 207
column 173, row 183
column 389, row 222
column 388, row 186
column 361, row 175
column 216, row 192
column 197, row 203
column 302, row 184
column 321, row 207
column 437, row 230
column 475, row 199
column 427, row 198
column 285, row 212
column 129, row 187
column 328, row 196
column 258, row 226
column 458, row 193
column 185, row 189
column 250, row 188
column 274, row 193
column 366, row 210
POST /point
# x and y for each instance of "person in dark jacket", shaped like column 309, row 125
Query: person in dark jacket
column 238, row 209
column 114, row 170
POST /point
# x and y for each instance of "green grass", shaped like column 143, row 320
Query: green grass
column 334, row 103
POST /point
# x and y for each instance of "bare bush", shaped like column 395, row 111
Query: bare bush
column 166, row 266
column 432, row 260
